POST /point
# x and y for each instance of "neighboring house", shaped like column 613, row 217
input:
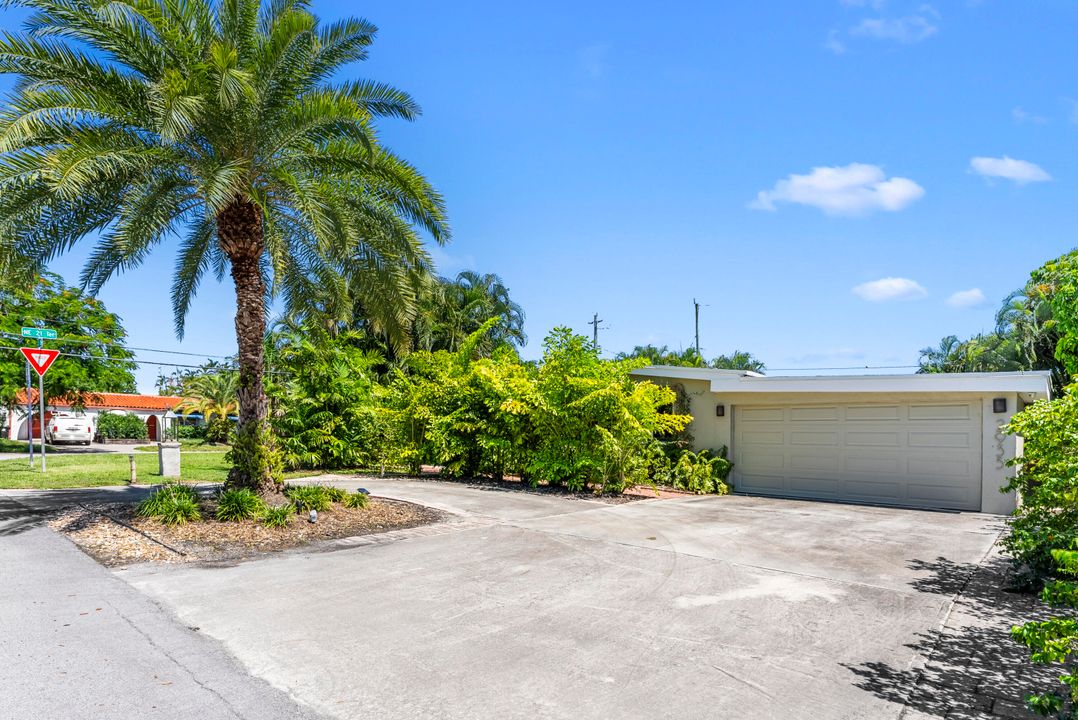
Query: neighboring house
column 152, row 409
column 925, row 441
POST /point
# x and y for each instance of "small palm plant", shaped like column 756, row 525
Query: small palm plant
column 228, row 124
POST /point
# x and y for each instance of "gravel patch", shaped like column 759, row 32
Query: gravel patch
column 114, row 536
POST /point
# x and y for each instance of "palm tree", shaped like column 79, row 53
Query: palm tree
column 211, row 396
column 220, row 122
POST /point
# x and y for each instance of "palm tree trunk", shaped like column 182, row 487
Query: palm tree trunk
column 239, row 229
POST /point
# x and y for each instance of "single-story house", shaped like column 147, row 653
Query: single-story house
column 923, row 441
column 157, row 411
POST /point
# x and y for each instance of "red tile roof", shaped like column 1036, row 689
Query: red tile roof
column 115, row 401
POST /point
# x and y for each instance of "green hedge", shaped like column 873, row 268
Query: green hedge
column 127, row 426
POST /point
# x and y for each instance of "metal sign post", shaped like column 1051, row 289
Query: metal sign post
column 41, row 362
column 29, row 415
column 41, row 407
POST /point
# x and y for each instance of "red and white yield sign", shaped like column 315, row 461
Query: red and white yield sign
column 40, row 358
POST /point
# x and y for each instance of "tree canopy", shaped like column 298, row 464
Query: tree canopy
column 91, row 338
column 229, row 125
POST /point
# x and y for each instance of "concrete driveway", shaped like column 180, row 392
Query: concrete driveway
column 530, row 606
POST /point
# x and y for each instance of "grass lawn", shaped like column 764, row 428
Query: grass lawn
column 19, row 446
column 188, row 444
column 89, row 470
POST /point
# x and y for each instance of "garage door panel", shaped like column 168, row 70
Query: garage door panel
column 752, row 482
column 941, row 467
column 874, row 464
column 814, row 438
column 803, row 462
column 814, row 486
column 961, row 411
column 875, row 491
column 763, row 414
column 814, row 414
column 872, row 412
column 763, row 437
column 913, row 454
column 755, row 460
column 961, row 440
column 859, row 438
column 940, row 495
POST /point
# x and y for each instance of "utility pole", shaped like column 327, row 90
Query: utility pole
column 696, row 308
column 595, row 329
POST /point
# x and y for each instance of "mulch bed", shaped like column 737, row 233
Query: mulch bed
column 114, row 536
column 511, row 484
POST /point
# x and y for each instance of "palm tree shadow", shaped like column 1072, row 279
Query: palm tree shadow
column 972, row 666
column 16, row 517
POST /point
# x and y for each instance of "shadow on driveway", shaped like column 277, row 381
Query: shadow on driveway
column 973, row 668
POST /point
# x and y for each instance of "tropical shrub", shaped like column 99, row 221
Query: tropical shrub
column 127, row 426
column 189, row 432
column 278, row 516
column 239, row 504
column 1056, row 640
column 1047, row 482
column 701, row 473
column 357, row 500
column 331, row 412
column 308, row 497
column 219, row 431
column 172, row 504
column 594, row 426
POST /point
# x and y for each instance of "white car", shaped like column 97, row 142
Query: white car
column 69, row 427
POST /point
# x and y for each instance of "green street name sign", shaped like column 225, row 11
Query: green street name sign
column 39, row 333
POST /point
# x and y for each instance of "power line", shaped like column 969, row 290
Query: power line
column 79, row 341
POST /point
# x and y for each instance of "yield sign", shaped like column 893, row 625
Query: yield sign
column 40, row 358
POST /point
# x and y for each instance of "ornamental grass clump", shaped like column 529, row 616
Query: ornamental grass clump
column 172, row 504
column 358, row 500
column 335, row 494
column 308, row 497
column 239, row 504
column 278, row 516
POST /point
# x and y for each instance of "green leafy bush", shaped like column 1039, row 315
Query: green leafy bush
column 218, row 430
column 357, row 500
column 1047, row 481
column 239, row 504
column 701, row 473
column 189, row 432
column 172, row 504
column 335, row 494
column 126, row 426
column 1056, row 640
column 308, row 497
column 278, row 516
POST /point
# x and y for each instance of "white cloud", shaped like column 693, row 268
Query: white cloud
column 833, row 43
column 889, row 288
column 853, row 189
column 966, row 298
column 1020, row 171
column 1021, row 116
column 906, row 30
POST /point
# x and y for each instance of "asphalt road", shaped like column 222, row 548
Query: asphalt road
column 78, row 643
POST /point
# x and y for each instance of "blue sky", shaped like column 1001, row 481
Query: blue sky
column 776, row 161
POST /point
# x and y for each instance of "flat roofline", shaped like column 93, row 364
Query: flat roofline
column 1033, row 384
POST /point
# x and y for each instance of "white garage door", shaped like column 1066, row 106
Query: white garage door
column 924, row 455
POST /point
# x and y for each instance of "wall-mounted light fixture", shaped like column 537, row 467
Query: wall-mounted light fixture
column 999, row 405
column 720, row 411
